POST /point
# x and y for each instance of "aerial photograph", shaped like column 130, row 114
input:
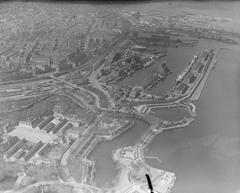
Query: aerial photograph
column 120, row 97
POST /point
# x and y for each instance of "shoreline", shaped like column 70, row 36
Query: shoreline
column 186, row 100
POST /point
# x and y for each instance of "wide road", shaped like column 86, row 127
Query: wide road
column 77, row 87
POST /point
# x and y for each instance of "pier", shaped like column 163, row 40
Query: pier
column 199, row 87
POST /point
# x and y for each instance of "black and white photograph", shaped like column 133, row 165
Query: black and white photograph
column 120, row 96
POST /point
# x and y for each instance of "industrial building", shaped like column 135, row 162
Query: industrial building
column 191, row 78
column 14, row 148
column 45, row 149
column 33, row 150
column 59, row 126
column 20, row 154
column 11, row 142
column 155, row 38
column 86, row 145
column 50, row 127
column 198, row 67
column 45, row 122
column 25, row 141
column 36, row 122
column 182, row 88
column 204, row 55
column 67, row 127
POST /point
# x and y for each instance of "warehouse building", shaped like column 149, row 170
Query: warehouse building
column 59, row 126
column 45, row 122
column 15, row 148
column 33, row 150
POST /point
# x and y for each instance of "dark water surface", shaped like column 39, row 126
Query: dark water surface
column 206, row 155
column 176, row 60
column 106, row 170
column 170, row 114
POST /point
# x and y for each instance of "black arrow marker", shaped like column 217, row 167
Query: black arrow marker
column 149, row 183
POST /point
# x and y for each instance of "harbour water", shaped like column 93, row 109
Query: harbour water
column 177, row 59
column 170, row 114
column 205, row 156
column 106, row 170
column 144, row 76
